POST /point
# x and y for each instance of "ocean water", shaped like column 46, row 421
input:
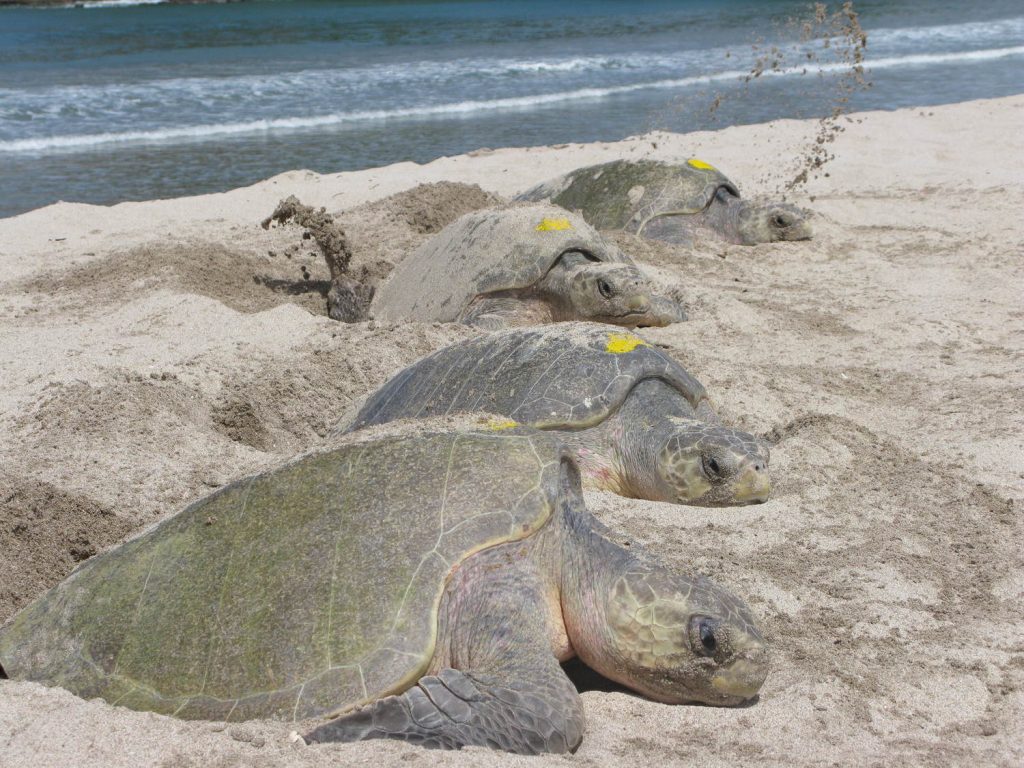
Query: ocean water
column 136, row 100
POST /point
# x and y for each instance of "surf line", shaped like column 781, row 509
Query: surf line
column 201, row 132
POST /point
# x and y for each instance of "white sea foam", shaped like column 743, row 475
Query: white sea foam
column 82, row 4
column 941, row 58
column 969, row 32
column 196, row 132
column 118, row 3
column 372, row 75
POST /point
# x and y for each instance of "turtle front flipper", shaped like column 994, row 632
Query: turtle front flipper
column 454, row 709
column 496, row 681
column 496, row 312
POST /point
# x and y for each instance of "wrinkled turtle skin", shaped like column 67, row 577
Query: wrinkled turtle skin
column 421, row 583
column 672, row 202
column 641, row 425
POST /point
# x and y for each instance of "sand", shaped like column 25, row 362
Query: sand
column 150, row 352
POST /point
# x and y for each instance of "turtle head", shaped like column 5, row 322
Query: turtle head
column 673, row 637
column 619, row 294
column 681, row 639
column 710, row 465
column 610, row 293
column 771, row 222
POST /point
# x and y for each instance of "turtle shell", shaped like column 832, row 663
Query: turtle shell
column 559, row 376
column 302, row 592
column 626, row 194
column 483, row 252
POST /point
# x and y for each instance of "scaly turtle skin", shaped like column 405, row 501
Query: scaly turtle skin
column 670, row 202
column 523, row 265
column 420, row 586
column 640, row 424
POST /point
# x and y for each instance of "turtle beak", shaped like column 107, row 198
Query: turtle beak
column 639, row 303
column 665, row 311
column 753, row 486
column 743, row 678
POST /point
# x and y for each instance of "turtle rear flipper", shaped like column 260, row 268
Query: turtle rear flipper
column 454, row 709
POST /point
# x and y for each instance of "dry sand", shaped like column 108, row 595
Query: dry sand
column 150, row 352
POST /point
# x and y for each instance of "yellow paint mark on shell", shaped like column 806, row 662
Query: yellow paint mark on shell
column 620, row 343
column 700, row 164
column 496, row 425
column 553, row 225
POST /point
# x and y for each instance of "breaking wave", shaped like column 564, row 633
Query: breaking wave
column 468, row 107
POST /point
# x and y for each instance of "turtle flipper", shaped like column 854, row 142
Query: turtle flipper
column 455, row 709
column 495, row 313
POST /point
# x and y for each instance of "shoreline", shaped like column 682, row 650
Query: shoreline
column 507, row 171
column 154, row 351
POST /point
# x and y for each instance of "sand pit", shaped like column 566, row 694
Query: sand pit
column 151, row 352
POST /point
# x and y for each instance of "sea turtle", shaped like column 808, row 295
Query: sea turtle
column 519, row 266
column 671, row 202
column 640, row 424
column 421, row 585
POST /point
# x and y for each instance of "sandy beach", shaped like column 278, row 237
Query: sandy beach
column 152, row 352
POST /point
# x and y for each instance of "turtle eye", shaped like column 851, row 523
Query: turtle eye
column 702, row 635
column 711, row 467
column 605, row 288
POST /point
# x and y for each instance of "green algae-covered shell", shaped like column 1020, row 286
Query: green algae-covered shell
column 559, row 376
column 298, row 593
column 483, row 252
column 625, row 194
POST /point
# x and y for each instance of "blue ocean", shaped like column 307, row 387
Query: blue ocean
column 135, row 100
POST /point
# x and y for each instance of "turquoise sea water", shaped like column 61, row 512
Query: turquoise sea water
column 135, row 101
